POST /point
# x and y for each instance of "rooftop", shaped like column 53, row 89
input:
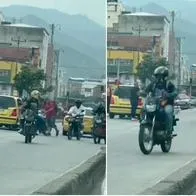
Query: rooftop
column 22, row 25
column 145, row 14
column 141, row 14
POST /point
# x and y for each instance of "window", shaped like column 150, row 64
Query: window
column 4, row 88
column 87, row 90
column 108, row 16
column 4, row 73
column 123, row 92
column 7, row 102
column 115, row 8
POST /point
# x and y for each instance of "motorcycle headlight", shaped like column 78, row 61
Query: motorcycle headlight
column 98, row 120
column 151, row 108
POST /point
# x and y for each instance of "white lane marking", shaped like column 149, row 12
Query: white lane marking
column 175, row 170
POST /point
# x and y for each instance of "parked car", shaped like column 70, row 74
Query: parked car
column 193, row 101
column 120, row 102
column 183, row 101
column 10, row 111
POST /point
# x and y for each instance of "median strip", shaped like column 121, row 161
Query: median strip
column 80, row 181
column 181, row 182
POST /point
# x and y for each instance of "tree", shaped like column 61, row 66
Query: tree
column 147, row 67
column 29, row 79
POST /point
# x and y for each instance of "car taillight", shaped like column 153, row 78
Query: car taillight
column 112, row 100
column 140, row 102
column 14, row 112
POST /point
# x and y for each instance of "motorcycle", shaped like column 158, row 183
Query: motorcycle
column 99, row 130
column 153, row 127
column 29, row 125
column 76, row 126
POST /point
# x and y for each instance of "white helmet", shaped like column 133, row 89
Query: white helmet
column 35, row 94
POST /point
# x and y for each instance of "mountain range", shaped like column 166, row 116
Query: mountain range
column 185, row 24
column 81, row 39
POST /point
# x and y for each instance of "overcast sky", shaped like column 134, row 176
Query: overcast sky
column 94, row 9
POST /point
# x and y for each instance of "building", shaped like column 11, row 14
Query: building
column 8, row 71
column 143, row 24
column 114, row 10
column 62, row 84
column 26, row 36
column 81, row 87
column 2, row 18
column 20, row 55
column 74, row 86
column 125, row 41
column 91, row 89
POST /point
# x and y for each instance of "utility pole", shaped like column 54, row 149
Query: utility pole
column 139, row 30
column 173, row 40
column 18, row 41
column 179, row 41
column 53, row 27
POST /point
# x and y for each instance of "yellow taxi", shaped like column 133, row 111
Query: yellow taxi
column 120, row 102
column 10, row 111
column 88, row 123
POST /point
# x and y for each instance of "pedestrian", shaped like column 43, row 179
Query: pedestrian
column 109, row 96
column 134, row 97
column 51, row 114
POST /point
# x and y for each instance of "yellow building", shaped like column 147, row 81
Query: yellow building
column 8, row 71
column 129, row 57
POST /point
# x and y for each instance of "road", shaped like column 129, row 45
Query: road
column 26, row 167
column 131, row 172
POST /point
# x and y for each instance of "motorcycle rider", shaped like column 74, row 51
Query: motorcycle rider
column 33, row 104
column 77, row 109
column 100, row 109
column 162, row 87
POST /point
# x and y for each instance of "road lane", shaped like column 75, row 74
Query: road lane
column 129, row 171
column 26, row 167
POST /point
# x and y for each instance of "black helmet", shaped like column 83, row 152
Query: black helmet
column 161, row 71
column 78, row 101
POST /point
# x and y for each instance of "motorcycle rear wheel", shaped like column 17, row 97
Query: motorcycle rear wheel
column 27, row 134
column 69, row 134
column 142, row 137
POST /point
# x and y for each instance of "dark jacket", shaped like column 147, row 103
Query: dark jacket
column 134, row 94
column 32, row 104
column 169, row 88
column 99, row 109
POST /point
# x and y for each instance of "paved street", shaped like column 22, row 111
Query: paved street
column 129, row 171
column 26, row 167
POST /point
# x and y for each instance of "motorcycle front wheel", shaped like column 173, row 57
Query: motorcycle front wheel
column 145, row 139
column 166, row 145
column 28, row 136
column 69, row 134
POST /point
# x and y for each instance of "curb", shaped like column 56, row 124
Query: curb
column 181, row 182
column 80, row 181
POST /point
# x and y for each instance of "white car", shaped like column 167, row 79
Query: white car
column 183, row 101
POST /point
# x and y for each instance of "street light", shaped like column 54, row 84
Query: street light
column 191, row 77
